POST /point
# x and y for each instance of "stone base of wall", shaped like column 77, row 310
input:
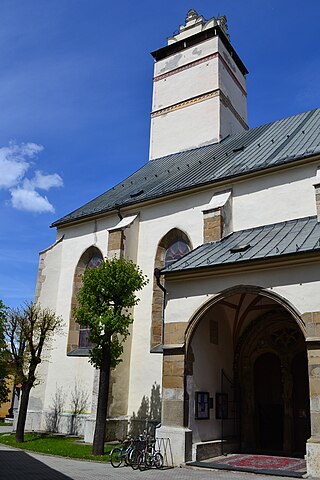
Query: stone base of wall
column 89, row 430
column 68, row 424
column 180, row 441
column 116, row 429
column 119, row 428
column 313, row 457
column 211, row 449
column 33, row 421
column 38, row 421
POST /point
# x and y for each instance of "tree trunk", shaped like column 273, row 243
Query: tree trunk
column 24, row 400
column 100, row 430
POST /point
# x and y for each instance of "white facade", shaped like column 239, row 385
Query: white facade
column 193, row 300
column 199, row 94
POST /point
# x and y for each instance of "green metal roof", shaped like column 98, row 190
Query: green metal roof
column 293, row 237
column 281, row 142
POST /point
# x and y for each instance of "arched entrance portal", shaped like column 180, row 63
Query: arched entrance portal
column 268, row 402
column 272, row 385
column 248, row 352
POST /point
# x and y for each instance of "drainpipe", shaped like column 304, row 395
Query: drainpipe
column 157, row 274
column 119, row 212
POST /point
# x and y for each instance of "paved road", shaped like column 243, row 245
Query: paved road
column 16, row 464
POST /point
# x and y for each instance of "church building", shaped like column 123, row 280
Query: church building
column 224, row 221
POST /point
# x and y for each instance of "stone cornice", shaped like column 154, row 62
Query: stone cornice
column 201, row 98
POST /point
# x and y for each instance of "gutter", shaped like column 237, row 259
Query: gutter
column 157, row 274
column 293, row 162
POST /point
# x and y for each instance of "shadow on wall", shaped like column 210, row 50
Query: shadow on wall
column 70, row 421
column 149, row 414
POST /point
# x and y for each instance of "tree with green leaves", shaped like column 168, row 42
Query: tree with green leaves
column 104, row 302
column 4, row 372
column 28, row 333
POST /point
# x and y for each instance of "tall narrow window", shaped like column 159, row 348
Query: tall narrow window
column 84, row 332
column 174, row 245
column 78, row 338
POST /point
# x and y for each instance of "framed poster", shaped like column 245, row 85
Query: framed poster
column 202, row 406
column 221, row 406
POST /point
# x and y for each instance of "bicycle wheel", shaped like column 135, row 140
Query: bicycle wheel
column 133, row 458
column 127, row 456
column 158, row 460
column 142, row 461
column 148, row 459
column 116, row 457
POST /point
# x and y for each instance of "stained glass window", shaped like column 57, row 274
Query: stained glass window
column 95, row 261
column 84, row 332
column 84, row 338
column 177, row 250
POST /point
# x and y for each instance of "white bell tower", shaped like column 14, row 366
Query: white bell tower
column 199, row 88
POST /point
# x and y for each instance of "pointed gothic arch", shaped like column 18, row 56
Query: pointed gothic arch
column 244, row 328
column 90, row 258
column 242, row 290
column 173, row 245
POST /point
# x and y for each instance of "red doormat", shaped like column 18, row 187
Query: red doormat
column 283, row 466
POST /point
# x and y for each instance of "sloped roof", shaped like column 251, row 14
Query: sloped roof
column 259, row 148
column 292, row 237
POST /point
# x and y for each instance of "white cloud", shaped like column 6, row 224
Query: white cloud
column 30, row 149
column 30, row 200
column 11, row 172
column 45, row 182
column 15, row 162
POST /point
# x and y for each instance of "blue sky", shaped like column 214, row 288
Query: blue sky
column 75, row 99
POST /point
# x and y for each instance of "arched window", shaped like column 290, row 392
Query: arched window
column 78, row 338
column 174, row 245
column 84, row 332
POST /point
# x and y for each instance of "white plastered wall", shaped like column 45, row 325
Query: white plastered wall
column 230, row 81
column 209, row 360
column 273, row 198
column 56, row 293
column 201, row 123
column 188, row 83
column 299, row 286
column 263, row 200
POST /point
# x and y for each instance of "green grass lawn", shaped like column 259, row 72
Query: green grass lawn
column 55, row 445
column 5, row 424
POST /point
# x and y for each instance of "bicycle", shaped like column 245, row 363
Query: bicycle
column 119, row 455
column 150, row 457
column 139, row 444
